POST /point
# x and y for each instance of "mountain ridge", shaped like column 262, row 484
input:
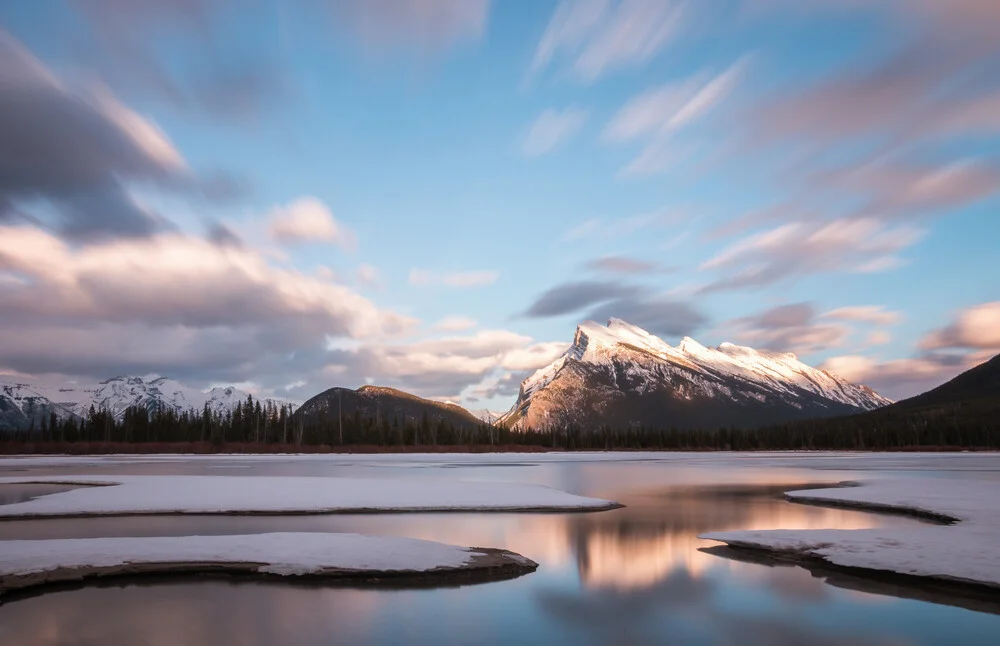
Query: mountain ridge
column 23, row 402
column 622, row 375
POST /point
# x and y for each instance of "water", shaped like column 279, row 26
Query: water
column 634, row 575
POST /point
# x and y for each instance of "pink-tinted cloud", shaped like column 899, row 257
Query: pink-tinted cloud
column 976, row 327
column 792, row 250
column 602, row 35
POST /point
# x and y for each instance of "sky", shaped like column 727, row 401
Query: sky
column 291, row 195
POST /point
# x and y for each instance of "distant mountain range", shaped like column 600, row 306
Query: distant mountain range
column 621, row 376
column 22, row 402
column 617, row 376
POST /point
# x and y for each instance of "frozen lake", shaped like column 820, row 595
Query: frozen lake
column 633, row 575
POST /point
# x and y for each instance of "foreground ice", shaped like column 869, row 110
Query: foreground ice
column 120, row 495
column 31, row 563
column 967, row 551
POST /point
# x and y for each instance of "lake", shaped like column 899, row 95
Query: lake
column 634, row 575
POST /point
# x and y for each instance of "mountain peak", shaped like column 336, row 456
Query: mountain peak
column 620, row 366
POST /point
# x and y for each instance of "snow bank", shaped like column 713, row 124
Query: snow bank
column 31, row 563
column 967, row 551
column 119, row 495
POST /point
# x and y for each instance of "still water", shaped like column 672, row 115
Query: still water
column 634, row 575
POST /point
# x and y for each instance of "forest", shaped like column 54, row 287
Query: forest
column 254, row 426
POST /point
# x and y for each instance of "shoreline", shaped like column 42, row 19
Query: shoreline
column 83, row 449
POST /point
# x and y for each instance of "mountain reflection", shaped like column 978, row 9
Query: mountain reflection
column 656, row 534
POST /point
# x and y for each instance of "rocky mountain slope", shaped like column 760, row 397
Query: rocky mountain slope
column 622, row 376
column 22, row 401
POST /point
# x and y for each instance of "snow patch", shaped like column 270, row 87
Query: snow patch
column 968, row 551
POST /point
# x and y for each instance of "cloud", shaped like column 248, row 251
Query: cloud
column 789, row 328
column 903, row 378
column 441, row 368
column 455, row 324
column 123, row 39
column 534, row 356
column 573, row 297
column 551, row 129
column 876, row 314
column 658, row 114
column 622, row 265
column 605, row 300
column 976, row 327
column 368, row 276
column 900, row 187
column 656, row 314
column 602, row 35
column 308, row 219
column 77, row 149
column 626, row 226
column 457, row 279
column 860, row 245
column 169, row 302
column 665, row 109
column 428, row 27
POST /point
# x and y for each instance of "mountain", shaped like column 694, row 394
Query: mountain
column 487, row 416
column 622, row 376
column 371, row 402
column 979, row 383
column 963, row 412
column 21, row 401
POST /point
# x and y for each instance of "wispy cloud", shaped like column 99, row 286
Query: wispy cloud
column 800, row 248
column 656, row 115
column 459, row 279
column 552, row 129
column 428, row 27
column 602, row 35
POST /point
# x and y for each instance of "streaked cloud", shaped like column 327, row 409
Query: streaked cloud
column 876, row 314
column 79, row 149
column 599, row 36
column 976, row 327
column 552, row 129
column 459, row 279
column 622, row 265
column 602, row 300
column 792, row 250
column 656, row 115
column 427, row 27
column 793, row 327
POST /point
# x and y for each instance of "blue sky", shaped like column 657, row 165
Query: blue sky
column 431, row 194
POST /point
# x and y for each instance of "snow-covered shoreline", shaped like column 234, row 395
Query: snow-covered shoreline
column 32, row 563
column 133, row 495
column 967, row 551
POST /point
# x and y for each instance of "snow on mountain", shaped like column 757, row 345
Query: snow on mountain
column 488, row 416
column 621, row 374
column 21, row 400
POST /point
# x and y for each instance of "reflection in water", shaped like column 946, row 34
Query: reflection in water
column 658, row 533
column 629, row 576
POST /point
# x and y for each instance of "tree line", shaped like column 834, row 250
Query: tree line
column 968, row 424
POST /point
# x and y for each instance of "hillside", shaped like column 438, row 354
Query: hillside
column 378, row 404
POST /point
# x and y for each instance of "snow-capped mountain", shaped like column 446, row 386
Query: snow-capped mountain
column 620, row 376
column 488, row 416
column 22, row 401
